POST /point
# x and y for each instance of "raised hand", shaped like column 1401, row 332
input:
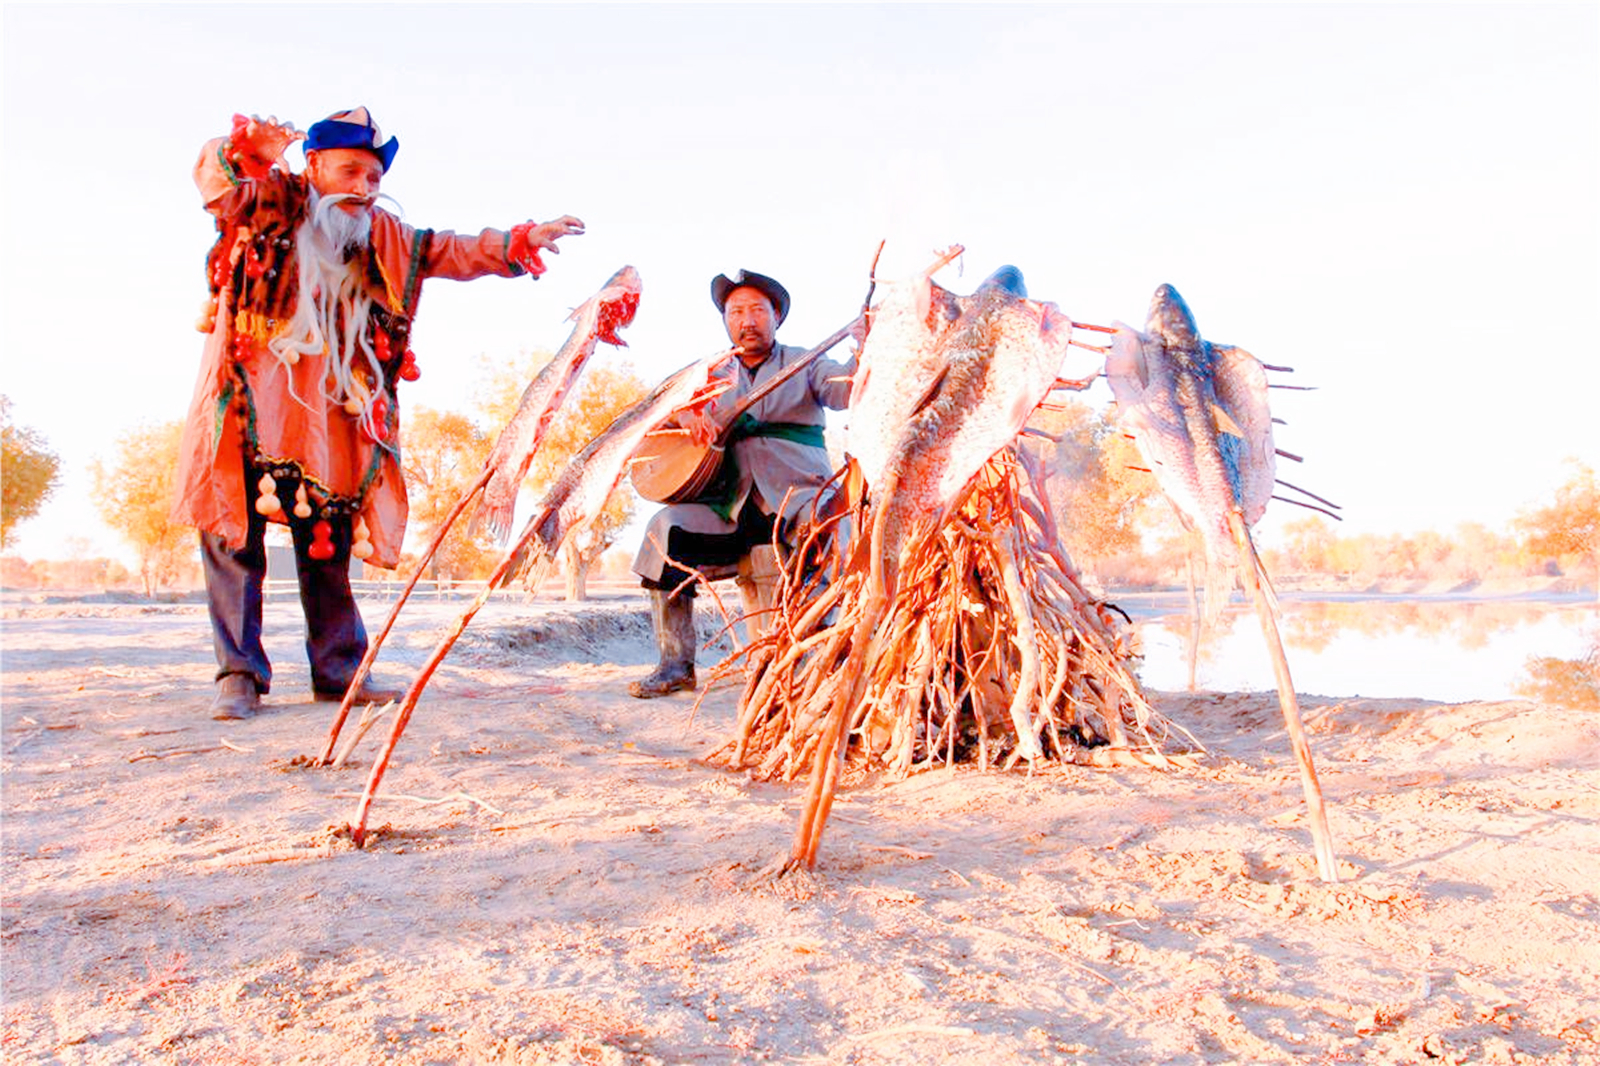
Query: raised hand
column 259, row 143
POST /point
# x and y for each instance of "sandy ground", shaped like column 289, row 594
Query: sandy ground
column 560, row 878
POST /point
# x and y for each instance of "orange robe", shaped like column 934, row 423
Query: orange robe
column 247, row 403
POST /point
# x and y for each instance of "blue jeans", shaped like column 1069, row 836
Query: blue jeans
column 336, row 639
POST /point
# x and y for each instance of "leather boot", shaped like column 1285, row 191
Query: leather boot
column 370, row 692
column 672, row 618
column 236, row 698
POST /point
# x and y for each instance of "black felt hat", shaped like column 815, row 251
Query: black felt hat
column 722, row 285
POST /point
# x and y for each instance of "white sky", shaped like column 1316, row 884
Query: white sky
column 1398, row 201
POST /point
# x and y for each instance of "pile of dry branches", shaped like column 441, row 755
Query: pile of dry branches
column 989, row 650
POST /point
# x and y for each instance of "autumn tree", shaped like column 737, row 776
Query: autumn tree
column 600, row 395
column 134, row 494
column 1096, row 489
column 29, row 472
column 1307, row 546
column 442, row 454
column 1570, row 524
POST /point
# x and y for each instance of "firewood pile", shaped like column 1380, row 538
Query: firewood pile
column 989, row 651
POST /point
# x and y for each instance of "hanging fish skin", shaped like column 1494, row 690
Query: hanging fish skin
column 1199, row 414
column 897, row 365
column 597, row 319
column 998, row 362
column 901, row 361
column 580, row 492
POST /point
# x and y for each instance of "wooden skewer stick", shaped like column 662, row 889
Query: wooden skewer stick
column 371, row 656
column 358, row 828
column 1309, row 507
column 1254, row 576
column 1075, row 384
column 1308, row 492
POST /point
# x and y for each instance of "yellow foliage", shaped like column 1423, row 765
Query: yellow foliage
column 442, row 454
column 29, row 472
column 1097, row 494
column 1570, row 524
column 134, row 494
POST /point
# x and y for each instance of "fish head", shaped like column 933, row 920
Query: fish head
column 1006, row 279
column 1171, row 321
column 618, row 302
column 696, row 385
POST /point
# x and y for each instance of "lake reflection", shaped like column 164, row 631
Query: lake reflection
column 1442, row 649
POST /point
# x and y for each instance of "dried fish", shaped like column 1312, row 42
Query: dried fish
column 597, row 319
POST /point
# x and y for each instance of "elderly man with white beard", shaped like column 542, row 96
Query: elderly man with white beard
column 295, row 415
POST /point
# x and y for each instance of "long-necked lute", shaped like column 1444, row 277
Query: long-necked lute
column 670, row 467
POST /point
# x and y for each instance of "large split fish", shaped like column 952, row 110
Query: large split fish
column 597, row 319
column 1199, row 414
column 899, row 361
column 995, row 366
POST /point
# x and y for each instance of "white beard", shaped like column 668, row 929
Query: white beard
column 337, row 235
column 331, row 288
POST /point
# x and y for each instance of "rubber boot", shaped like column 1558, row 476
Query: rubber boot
column 672, row 618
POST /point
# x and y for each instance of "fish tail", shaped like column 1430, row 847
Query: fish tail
column 492, row 517
column 516, row 564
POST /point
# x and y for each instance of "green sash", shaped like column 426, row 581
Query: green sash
column 720, row 494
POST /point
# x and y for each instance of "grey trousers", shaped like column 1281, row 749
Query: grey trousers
column 336, row 639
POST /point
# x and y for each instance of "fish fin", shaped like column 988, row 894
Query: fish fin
column 1127, row 368
column 493, row 518
column 529, row 549
column 854, row 487
column 1224, row 421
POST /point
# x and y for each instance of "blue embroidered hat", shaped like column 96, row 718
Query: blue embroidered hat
column 352, row 129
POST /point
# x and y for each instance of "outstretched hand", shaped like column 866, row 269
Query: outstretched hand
column 530, row 238
column 545, row 234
